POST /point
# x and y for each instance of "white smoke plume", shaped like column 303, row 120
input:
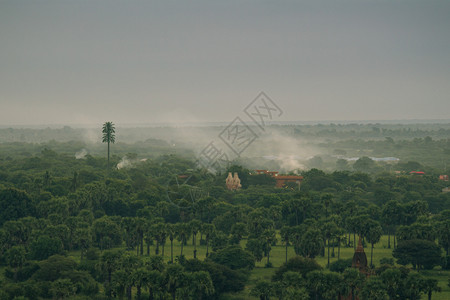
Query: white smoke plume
column 125, row 163
column 81, row 154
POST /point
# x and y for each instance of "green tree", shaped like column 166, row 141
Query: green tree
column 208, row 231
column 263, row 290
column 291, row 287
column 430, row 286
column 109, row 262
column 311, row 243
column 195, row 226
column 353, row 279
column 420, row 253
column 364, row 164
column 52, row 268
column 391, row 214
column 374, row 289
column 118, row 284
column 106, row 232
column 296, row 264
column 324, row 284
column 392, row 279
column 83, row 240
column 233, row 257
column 414, row 286
column 238, row 231
column 175, row 279
column 155, row 284
column 140, row 278
column 140, row 228
column 256, row 247
column 373, row 235
column 183, row 232
column 286, row 233
column 269, row 237
column 15, row 257
column 329, row 230
column 200, row 284
column 443, row 234
column 14, row 204
column 159, row 233
column 62, row 289
column 171, row 233
column 109, row 135
column 44, row 247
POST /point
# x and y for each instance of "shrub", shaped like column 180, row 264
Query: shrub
column 234, row 257
column 298, row 264
column 340, row 265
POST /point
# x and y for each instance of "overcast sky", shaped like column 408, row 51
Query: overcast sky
column 78, row 62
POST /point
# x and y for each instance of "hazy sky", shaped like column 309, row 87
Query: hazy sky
column 74, row 62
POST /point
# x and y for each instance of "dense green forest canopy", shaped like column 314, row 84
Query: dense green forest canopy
column 72, row 228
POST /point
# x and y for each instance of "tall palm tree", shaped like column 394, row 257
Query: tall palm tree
column 195, row 226
column 200, row 284
column 183, row 233
column 208, row 230
column 109, row 135
column 171, row 232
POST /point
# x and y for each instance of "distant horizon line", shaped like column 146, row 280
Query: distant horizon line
column 219, row 123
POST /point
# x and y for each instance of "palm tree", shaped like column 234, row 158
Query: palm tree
column 140, row 226
column 195, row 226
column 119, row 283
column 183, row 233
column 109, row 135
column 431, row 285
column 141, row 278
column 155, row 283
column 286, row 233
column 263, row 289
column 159, row 232
column 15, row 258
column 268, row 236
column 208, row 230
column 175, row 279
column 109, row 262
column 329, row 231
column 373, row 235
column 200, row 284
column 171, row 232
column 353, row 280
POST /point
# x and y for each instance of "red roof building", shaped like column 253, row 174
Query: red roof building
column 281, row 180
column 417, row 173
column 443, row 177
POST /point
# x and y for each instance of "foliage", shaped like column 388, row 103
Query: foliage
column 296, row 264
column 14, row 204
column 233, row 257
column 340, row 265
column 53, row 203
column 420, row 253
column 44, row 247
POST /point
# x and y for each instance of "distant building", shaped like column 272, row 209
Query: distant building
column 417, row 173
column 359, row 262
column 446, row 190
column 443, row 177
column 233, row 183
column 359, row 258
column 282, row 180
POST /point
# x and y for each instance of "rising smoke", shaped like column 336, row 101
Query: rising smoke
column 81, row 154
